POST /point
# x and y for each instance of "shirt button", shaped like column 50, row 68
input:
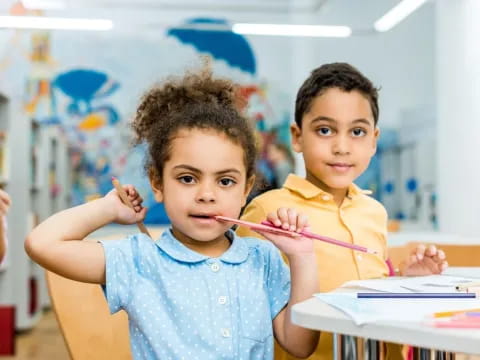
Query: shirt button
column 359, row 257
column 215, row 267
column 225, row 333
column 222, row 300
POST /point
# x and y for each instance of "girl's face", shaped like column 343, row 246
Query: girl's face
column 204, row 176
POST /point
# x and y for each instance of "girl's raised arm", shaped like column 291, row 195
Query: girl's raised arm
column 57, row 243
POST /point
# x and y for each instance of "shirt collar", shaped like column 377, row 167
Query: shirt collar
column 308, row 190
column 236, row 253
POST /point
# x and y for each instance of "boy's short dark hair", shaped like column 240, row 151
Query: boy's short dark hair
column 336, row 75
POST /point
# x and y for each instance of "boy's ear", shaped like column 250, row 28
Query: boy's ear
column 296, row 133
column 156, row 187
column 376, row 134
column 248, row 187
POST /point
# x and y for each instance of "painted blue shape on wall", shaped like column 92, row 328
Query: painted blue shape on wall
column 369, row 179
column 412, row 185
column 83, row 84
column 388, row 139
column 156, row 214
column 225, row 45
column 389, row 187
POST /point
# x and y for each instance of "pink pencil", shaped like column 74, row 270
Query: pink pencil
column 458, row 324
column 330, row 240
column 268, row 226
column 261, row 227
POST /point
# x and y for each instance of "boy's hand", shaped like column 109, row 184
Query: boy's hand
column 121, row 212
column 289, row 219
column 4, row 203
column 424, row 261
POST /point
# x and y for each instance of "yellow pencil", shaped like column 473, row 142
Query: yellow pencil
column 452, row 313
column 123, row 195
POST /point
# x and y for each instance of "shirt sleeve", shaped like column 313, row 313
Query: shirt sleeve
column 278, row 280
column 254, row 212
column 119, row 272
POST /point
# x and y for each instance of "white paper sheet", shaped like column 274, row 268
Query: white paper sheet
column 364, row 311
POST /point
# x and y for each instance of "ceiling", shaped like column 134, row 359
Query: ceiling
column 135, row 14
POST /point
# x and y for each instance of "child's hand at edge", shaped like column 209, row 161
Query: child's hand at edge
column 122, row 213
column 289, row 219
column 424, row 261
column 5, row 202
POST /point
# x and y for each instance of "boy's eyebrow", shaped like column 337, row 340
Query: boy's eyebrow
column 198, row 171
column 326, row 118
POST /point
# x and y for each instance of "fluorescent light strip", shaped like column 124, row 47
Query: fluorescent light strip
column 44, row 4
column 292, row 30
column 397, row 14
column 50, row 23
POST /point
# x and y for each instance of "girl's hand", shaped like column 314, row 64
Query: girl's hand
column 289, row 219
column 424, row 261
column 121, row 212
column 4, row 203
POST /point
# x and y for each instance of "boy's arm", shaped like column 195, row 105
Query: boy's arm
column 298, row 341
column 56, row 243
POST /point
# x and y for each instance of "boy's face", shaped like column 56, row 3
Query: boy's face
column 338, row 138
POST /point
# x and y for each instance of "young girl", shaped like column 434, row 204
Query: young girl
column 199, row 291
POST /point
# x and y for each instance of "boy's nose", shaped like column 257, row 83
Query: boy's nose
column 341, row 146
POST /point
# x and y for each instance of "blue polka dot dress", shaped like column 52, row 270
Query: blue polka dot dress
column 185, row 305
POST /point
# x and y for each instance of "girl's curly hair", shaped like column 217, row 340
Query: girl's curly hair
column 194, row 101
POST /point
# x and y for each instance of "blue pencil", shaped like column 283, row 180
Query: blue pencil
column 370, row 295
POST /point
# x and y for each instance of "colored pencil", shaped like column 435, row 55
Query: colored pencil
column 123, row 195
column 330, row 240
column 261, row 227
column 370, row 295
column 452, row 313
column 269, row 227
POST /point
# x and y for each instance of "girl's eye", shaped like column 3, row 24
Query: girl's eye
column 227, row 182
column 358, row 132
column 187, row 179
column 325, row 131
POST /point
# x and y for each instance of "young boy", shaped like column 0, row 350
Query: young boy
column 336, row 115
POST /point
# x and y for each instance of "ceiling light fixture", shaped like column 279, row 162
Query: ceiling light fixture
column 292, row 30
column 397, row 14
column 52, row 23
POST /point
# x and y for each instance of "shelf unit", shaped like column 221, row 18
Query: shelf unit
column 32, row 149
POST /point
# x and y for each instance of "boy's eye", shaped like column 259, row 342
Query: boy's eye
column 358, row 132
column 324, row 131
column 186, row 179
column 227, row 182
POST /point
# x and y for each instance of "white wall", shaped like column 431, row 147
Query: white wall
column 401, row 61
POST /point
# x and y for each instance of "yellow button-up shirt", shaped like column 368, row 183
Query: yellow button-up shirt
column 360, row 220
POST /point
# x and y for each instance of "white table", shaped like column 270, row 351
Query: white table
column 315, row 314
